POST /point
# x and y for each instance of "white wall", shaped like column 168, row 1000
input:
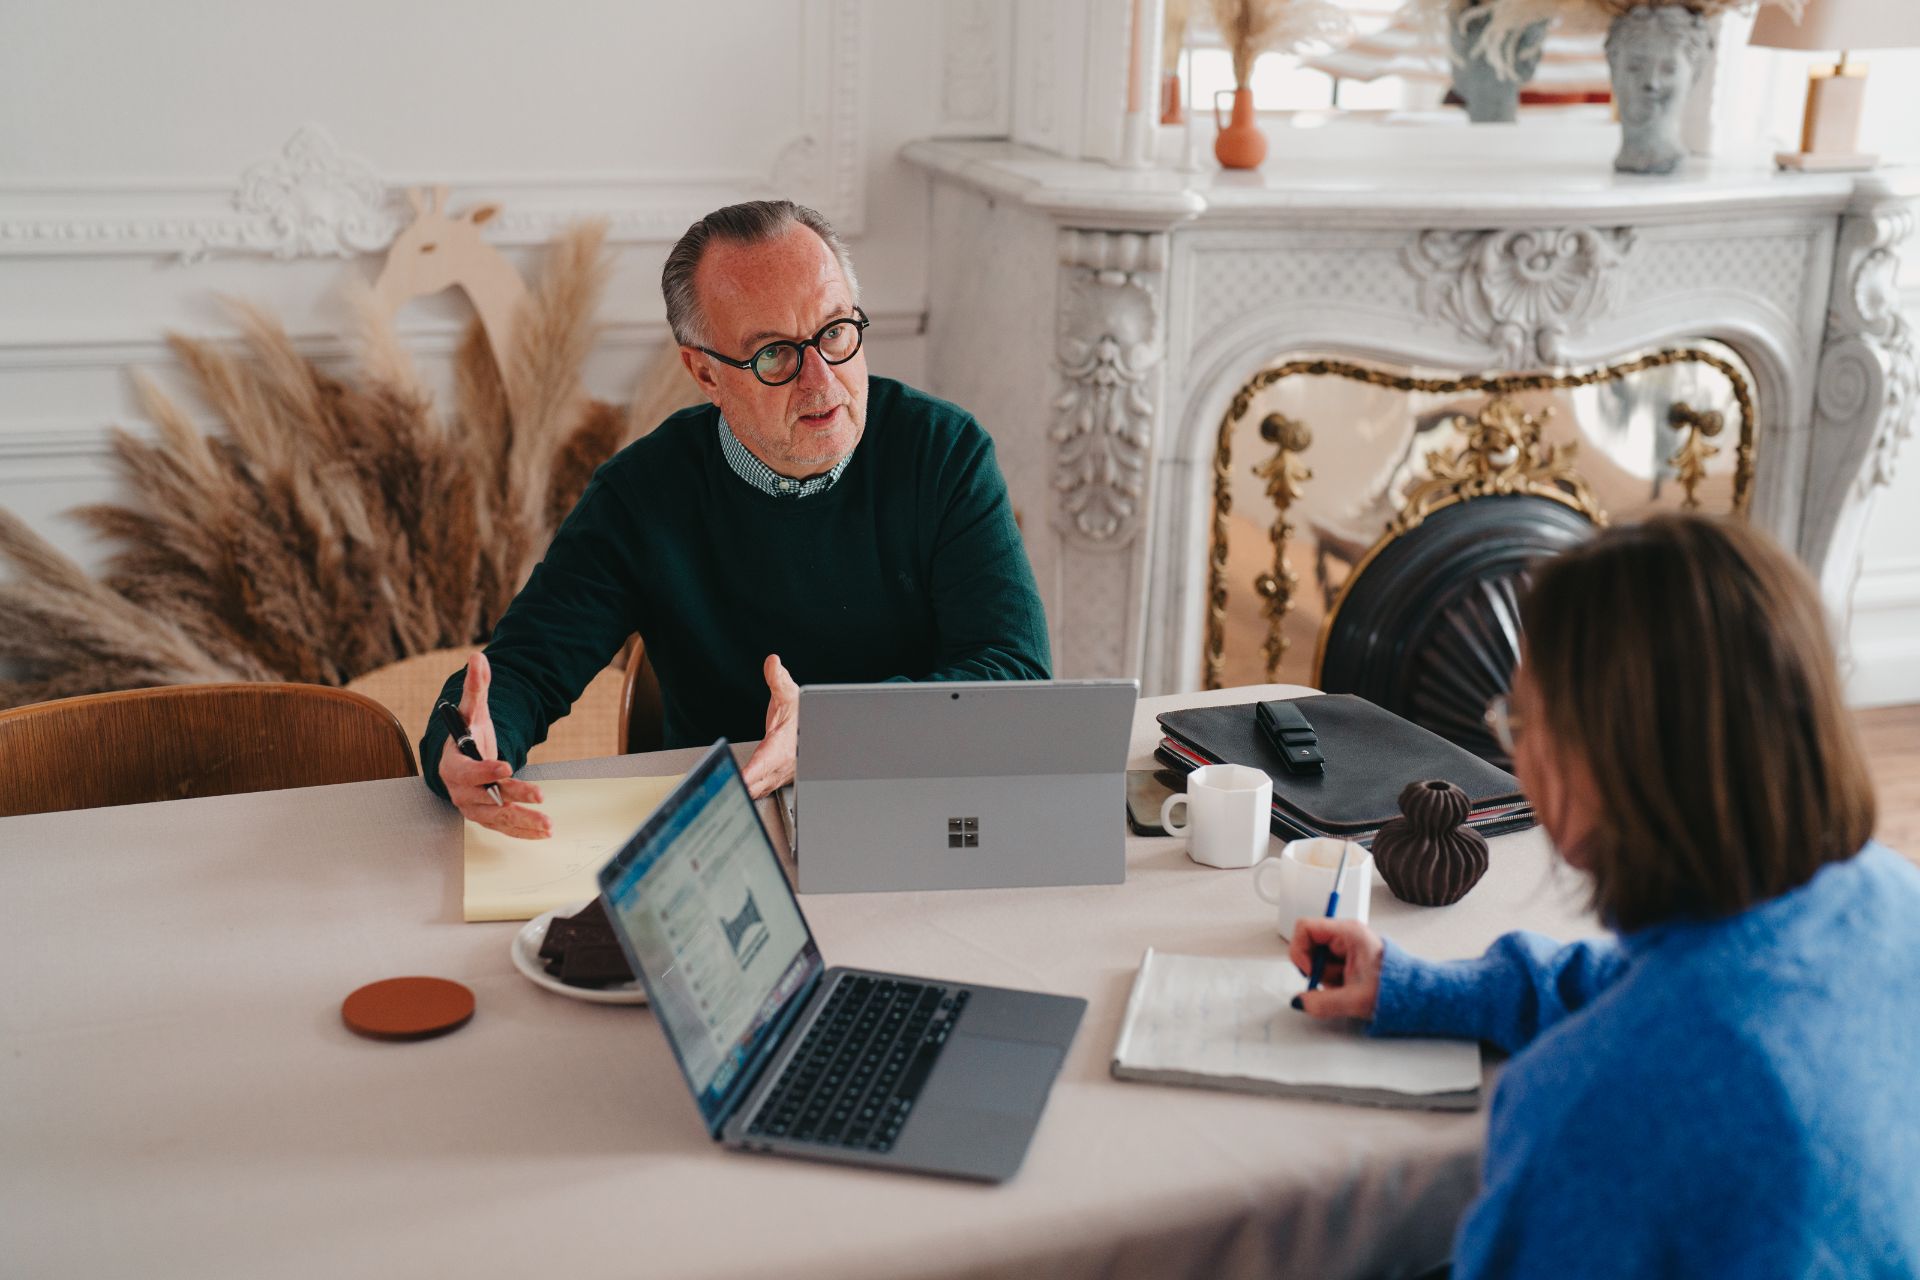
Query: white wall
column 1884, row 632
column 127, row 129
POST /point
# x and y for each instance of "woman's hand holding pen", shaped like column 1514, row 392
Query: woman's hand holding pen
column 1350, row 977
column 470, row 783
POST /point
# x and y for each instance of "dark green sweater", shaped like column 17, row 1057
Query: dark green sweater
column 910, row 567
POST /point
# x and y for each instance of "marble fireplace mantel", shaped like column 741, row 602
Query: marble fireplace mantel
column 1098, row 320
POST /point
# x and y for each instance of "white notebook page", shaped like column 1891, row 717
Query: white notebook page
column 1231, row 1019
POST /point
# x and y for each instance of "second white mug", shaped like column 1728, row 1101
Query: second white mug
column 1228, row 809
column 1299, row 879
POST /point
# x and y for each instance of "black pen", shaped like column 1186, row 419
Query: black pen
column 456, row 726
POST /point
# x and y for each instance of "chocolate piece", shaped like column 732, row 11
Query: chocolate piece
column 581, row 949
column 593, row 915
column 562, row 934
column 595, row 966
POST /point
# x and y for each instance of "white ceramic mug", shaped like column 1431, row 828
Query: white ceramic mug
column 1228, row 808
column 1299, row 880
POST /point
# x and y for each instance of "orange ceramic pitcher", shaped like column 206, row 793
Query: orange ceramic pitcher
column 1240, row 144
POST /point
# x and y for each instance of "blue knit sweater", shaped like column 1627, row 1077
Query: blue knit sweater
column 1739, row 1097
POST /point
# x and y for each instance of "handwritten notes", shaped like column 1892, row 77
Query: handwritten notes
column 509, row 879
column 1227, row 1024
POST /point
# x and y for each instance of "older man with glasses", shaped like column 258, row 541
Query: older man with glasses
column 810, row 524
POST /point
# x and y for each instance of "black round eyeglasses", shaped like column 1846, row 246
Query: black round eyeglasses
column 779, row 363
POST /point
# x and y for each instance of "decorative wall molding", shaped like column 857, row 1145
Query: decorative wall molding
column 1109, row 71
column 55, row 440
column 1893, row 583
column 421, row 340
column 1868, row 365
column 974, row 75
column 1240, row 278
column 1110, row 348
column 315, row 199
column 310, row 201
column 1037, row 59
column 1520, row 291
column 833, row 77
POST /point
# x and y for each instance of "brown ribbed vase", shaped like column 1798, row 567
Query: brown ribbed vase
column 1427, row 857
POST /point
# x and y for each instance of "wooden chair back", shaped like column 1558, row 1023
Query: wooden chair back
column 642, row 714
column 178, row 741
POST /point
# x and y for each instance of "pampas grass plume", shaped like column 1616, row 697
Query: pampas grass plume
column 332, row 525
column 1252, row 27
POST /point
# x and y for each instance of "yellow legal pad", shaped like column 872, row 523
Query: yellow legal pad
column 509, row 879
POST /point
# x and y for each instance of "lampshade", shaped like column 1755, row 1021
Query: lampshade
column 1841, row 24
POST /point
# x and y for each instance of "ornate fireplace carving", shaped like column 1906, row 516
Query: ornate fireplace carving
column 1520, row 291
column 1109, row 348
column 1101, row 321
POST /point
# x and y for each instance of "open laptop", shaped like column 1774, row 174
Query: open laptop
column 787, row 1056
column 977, row 785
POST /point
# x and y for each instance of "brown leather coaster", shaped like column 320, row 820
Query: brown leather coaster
column 407, row 1008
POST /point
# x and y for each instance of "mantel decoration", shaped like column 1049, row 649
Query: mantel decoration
column 1251, row 28
column 1836, row 93
column 1428, row 856
column 333, row 524
column 1491, row 95
column 1489, row 88
column 1656, row 49
column 1173, row 43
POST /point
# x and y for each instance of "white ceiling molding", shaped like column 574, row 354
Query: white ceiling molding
column 314, row 199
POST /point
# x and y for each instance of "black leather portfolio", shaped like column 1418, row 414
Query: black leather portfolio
column 1371, row 754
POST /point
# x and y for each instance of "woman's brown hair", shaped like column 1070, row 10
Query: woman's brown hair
column 1685, row 662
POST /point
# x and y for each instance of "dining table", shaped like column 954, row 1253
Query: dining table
column 182, row 1096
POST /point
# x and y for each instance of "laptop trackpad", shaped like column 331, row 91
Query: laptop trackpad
column 989, row 1074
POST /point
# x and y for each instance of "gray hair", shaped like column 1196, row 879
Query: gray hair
column 1664, row 24
column 753, row 222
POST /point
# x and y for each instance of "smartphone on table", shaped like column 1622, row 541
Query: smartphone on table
column 1147, row 790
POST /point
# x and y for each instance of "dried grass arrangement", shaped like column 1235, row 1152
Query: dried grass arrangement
column 330, row 526
column 1252, row 27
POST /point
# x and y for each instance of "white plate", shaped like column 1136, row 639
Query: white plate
column 526, row 958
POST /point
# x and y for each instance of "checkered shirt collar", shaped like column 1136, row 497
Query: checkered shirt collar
column 765, row 478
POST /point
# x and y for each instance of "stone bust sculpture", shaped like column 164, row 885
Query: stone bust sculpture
column 1655, row 52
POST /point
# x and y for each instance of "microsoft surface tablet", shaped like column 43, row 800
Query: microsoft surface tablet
column 988, row 785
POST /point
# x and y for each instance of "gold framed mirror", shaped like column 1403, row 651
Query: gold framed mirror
column 1317, row 457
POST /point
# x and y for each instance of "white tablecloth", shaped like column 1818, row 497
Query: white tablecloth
column 181, row 1098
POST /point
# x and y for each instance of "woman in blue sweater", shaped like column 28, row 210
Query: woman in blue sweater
column 1730, row 1085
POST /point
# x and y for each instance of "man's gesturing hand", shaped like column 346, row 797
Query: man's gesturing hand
column 771, row 765
column 466, row 780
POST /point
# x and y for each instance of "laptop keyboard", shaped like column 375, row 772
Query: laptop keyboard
column 861, row 1065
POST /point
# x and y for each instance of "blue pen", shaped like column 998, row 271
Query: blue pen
column 1320, row 953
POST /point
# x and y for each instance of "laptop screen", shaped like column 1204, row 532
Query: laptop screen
column 712, row 928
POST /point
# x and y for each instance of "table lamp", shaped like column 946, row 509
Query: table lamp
column 1829, row 138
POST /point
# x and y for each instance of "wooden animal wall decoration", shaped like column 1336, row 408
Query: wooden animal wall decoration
column 439, row 250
